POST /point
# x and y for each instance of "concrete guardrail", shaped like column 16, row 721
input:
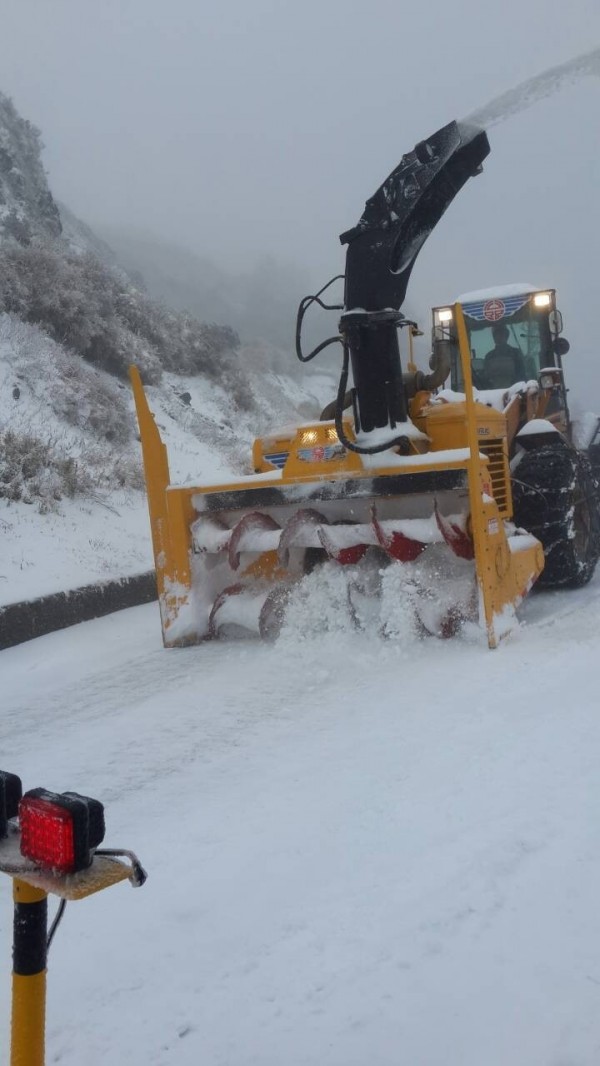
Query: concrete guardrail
column 34, row 618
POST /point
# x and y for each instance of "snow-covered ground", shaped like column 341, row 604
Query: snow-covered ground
column 359, row 851
column 85, row 541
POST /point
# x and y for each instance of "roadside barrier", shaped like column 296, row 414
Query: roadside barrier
column 34, row 618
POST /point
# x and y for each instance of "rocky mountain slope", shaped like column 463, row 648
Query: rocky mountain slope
column 27, row 209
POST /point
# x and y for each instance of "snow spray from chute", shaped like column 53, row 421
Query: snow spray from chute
column 529, row 92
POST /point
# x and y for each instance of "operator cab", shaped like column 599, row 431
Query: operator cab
column 514, row 334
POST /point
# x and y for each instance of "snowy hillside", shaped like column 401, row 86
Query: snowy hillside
column 72, row 506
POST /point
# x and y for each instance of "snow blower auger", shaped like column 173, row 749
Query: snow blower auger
column 394, row 487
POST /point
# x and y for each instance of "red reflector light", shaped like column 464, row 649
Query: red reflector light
column 47, row 834
column 60, row 830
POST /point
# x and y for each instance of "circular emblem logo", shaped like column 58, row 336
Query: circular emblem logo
column 494, row 310
column 318, row 454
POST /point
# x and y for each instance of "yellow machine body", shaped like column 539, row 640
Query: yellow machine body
column 206, row 535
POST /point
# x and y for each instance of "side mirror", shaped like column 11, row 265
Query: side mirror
column 561, row 345
column 555, row 321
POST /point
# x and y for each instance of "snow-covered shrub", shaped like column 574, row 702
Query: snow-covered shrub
column 90, row 402
column 126, row 472
column 83, row 304
column 73, row 299
column 238, row 388
column 110, row 470
column 55, row 377
column 31, row 469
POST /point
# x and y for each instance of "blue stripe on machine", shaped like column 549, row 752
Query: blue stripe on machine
column 278, row 459
column 512, row 304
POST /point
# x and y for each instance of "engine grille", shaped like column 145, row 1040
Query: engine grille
column 496, row 451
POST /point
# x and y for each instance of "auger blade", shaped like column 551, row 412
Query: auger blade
column 295, row 527
column 237, row 608
column 456, row 538
column 249, row 609
column 444, row 592
column 447, row 624
column 272, row 612
column 397, row 544
column 246, row 536
column 210, row 534
column 214, row 622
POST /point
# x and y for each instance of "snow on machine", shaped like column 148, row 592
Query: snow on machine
column 449, row 498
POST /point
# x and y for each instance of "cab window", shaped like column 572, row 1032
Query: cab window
column 522, row 341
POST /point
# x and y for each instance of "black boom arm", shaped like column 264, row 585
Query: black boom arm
column 382, row 249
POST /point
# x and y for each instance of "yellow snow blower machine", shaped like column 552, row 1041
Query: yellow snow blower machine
column 440, row 503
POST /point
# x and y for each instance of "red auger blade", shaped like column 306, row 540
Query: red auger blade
column 397, row 545
column 346, row 556
column 456, row 538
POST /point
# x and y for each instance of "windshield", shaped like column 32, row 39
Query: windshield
column 510, row 348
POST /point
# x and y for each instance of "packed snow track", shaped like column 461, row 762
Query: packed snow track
column 359, row 851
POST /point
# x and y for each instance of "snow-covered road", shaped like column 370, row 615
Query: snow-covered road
column 359, row 853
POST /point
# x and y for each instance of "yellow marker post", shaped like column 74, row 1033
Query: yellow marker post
column 30, row 936
column 28, row 1019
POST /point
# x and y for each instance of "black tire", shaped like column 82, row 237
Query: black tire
column 555, row 497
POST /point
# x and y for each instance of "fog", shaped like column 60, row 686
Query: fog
column 246, row 130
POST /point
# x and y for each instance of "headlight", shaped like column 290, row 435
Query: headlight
column 542, row 299
column 309, row 436
column 550, row 378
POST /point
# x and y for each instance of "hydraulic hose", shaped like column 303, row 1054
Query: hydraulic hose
column 339, row 412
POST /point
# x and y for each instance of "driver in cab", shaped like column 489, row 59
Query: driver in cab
column 504, row 365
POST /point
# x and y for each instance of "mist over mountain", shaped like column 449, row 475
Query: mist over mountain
column 76, row 312
column 81, row 238
column 259, row 302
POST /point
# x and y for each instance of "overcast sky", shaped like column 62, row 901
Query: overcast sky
column 248, row 126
